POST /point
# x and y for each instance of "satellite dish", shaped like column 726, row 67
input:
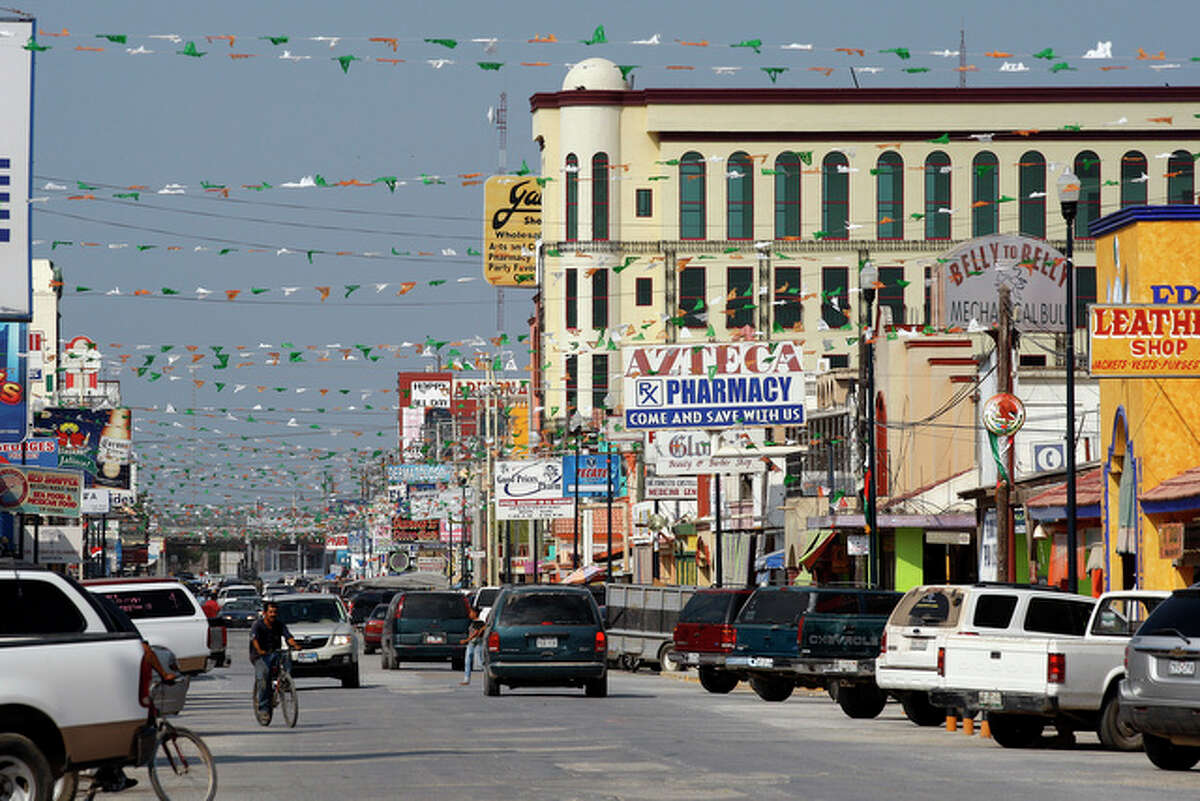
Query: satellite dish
column 398, row 561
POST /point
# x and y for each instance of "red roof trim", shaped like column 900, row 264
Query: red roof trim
column 937, row 343
column 952, row 361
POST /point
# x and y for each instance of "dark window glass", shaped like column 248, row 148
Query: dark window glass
column 691, row 196
column 1179, row 613
column 891, row 294
column 774, row 606
column 486, row 597
column 789, row 310
column 572, row 298
column 838, row 360
column 1031, row 179
column 600, row 197
column 139, row 604
column 644, row 291
column 787, row 196
column 739, row 296
column 985, row 188
column 600, row 299
column 932, row 607
column 835, row 287
column 889, row 196
column 707, row 607
column 644, row 202
column 937, row 195
column 320, row 610
column 835, row 196
column 379, row 612
column 571, row 178
column 839, row 603
column 928, row 311
column 879, row 603
column 433, row 606
column 1087, row 167
column 994, row 611
column 739, row 191
column 572, row 385
column 1057, row 616
column 37, row 607
column 556, row 608
column 1085, row 293
column 1134, row 179
column 599, row 380
column 1181, row 178
column 692, row 304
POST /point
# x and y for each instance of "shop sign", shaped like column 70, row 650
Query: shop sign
column 593, row 471
column 1036, row 274
column 431, row 564
column 430, row 395
column 39, row 452
column 690, row 452
column 95, row 502
column 948, row 537
column 478, row 388
column 858, row 544
column 531, row 489
column 40, row 491
column 512, row 226
column 672, row 488
column 405, row 530
column 1170, row 541
column 337, row 542
column 419, row 473
column 1137, row 340
column 57, row 545
column 713, row 385
column 989, row 544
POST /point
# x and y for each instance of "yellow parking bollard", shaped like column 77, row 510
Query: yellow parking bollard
column 985, row 730
column 951, row 723
column 968, row 726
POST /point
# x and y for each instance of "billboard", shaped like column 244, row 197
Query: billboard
column 593, row 472
column 1135, row 340
column 713, row 385
column 531, row 490
column 1035, row 272
column 96, row 441
column 691, row 452
column 419, row 473
column 39, row 452
column 419, row 390
column 16, row 64
column 14, row 400
column 404, row 530
column 663, row 488
column 40, row 491
column 512, row 225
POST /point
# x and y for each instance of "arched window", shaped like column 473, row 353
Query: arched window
column 739, row 196
column 985, row 194
column 599, row 197
column 889, row 196
column 1031, row 179
column 1134, row 179
column 691, row 196
column 787, row 196
column 937, row 195
column 571, row 179
column 1181, row 179
column 1087, row 167
column 835, row 196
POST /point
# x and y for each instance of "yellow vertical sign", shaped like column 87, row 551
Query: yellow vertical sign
column 518, row 430
column 512, row 224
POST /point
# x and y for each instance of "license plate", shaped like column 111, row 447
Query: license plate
column 918, row 644
column 990, row 699
column 737, row 661
column 691, row 658
column 546, row 642
column 762, row 662
column 1178, row 668
column 845, row 665
column 435, row 639
column 306, row 656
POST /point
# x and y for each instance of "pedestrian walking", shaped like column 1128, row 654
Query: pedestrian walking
column 474, row 642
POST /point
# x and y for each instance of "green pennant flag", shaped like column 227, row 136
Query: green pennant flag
column 83, row 289
column 915, row 70
column 319, row 180
column 669, row 162
column 141, row 371
column 388, row 180
column 165, row 348
column 437, row 282
column 275, row 40
column 309, row 254
column 981, row 170
column 166, row 290
column 54, row 245
column 226, row 251
column 258, row 290
column 916, row 215
column 143, row 248
column 128, row 195
column 296, row 356
column 710, row 331
column 753, row 44
column 944, row 139
column 345, row 62
column 1006, row 199
column 806, row 157
column 900, row 282
column 82, row 187
column 34, row 47
column 1047, row 54
column 447, row 43
column 902, row 52
column 189, row 49
column 1062, row 66
column 779, row 255
column 207, row 185
column 598, row 37
column 818, row 235
column 626, row 69
column 494, row 66
column 219, row 385
column 524, row 168
column 473, row 252
column 222, row 361
column 155, row 376
column 628, row 261
column 115, row 38
column 774, row 72
column 350, row 289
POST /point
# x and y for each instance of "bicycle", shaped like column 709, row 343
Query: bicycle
column 283, row 695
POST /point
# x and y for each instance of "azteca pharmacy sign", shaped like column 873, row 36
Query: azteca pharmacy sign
column 970, row 276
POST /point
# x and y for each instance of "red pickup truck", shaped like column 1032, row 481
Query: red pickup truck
column 704, row 635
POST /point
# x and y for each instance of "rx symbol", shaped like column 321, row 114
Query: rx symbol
column 648, row 393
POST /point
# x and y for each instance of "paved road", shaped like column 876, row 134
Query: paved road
column 416, row 734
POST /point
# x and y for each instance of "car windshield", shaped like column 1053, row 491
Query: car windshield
column 774, row 606
column 318, row 610
column 439, row 606
column 240, row 592
column 538, row 608
column 138, row 604
column 241, row 607
column 1179, row 614
column 935, row 607
column 486, row 597
column 707, row 607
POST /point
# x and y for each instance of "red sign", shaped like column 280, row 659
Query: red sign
column 405, row 530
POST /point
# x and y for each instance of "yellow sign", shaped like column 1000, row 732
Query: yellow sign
column 512, row 225
column 1132, row 340
column 518, row 430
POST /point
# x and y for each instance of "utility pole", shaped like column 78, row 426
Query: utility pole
column 1004, row 533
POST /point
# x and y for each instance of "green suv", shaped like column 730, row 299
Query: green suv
column 546, row 636
column 425, row 627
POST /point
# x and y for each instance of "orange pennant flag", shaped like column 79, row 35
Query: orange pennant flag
column 199, row 382
column 323, row 392
column 389, row 41
column 547, row 39
column 701, row 43
column 142, row 292
column 232, row 293
column 535, row 63
column 1164, row 120
column 240, row 56
column 406, row 287
column 680, row 67
column 324, row 290
column 1144, row 56
column 392, row 61
column 997, row 54
column 849, row 51
column 827, row 71
column 227, row 37
column 89, row 49
column 125, row 357
column 682, row 263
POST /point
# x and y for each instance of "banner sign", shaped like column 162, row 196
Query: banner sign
column 14, row 405
column 713, row 385
column 1136, row 340
column 95, row 502
column 96, row 441
column 57, row 545
column 411, row 441
column 593, row 473
column 39, row 452
column 40, row 491
column 512, row 225
column 1036, row 274
column 689, row 452
column 477, row 388
column 337, row 542
column 531, row 490
column 669, row 488
column 405, row 530
column 420, row 473
column 16, row 64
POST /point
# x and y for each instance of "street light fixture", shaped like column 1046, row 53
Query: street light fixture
column 1068, row 197
column 576, row 424
column 868, row 276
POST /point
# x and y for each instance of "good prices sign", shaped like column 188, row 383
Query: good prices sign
column 1144, row 340
column 531, row 490
column 713, row 385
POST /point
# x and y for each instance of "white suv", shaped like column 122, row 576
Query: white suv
column 328, row 644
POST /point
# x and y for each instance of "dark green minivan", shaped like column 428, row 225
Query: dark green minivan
column 425, row 627
column 545, row 636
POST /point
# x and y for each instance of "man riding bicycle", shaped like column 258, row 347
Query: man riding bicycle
column 267, row 636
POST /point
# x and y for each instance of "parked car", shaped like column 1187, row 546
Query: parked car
column 373, row 629
column 816, row 637
column 328, row 644
column 705, row 636
column 361, row 604
column 227, row 594
column 1160, row 695
column 238, row 614
column 916, row 629
column 425, row 626
column 482, row 600
column 546, row 636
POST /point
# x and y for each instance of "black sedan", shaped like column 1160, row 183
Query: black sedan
column 238, row 614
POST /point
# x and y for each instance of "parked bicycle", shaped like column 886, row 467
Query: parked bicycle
column 283, row 692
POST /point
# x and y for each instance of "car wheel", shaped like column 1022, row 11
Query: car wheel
column 1168, row 756
column 772, row 688
column 668, row 659
column 24, row 771
column 350, row 679
column 1015, row 731
column 716, row 681
column 861, row 701
column 1113, row 733
column 920, row 711
column 66, row 787
column 490, row 686
column 596, row 688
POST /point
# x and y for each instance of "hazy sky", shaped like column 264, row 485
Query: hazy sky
column 111, row 120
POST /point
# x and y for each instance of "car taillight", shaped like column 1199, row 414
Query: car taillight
column 1126, row 658
column 883, row 644
column 800, row 632
column 145, row 671
column 941, row 662
column 494, row 642
column 399, row 609
column 1056, row 668
column 601, row 642
column 727, row 638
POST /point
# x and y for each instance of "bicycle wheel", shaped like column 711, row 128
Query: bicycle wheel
column 263, row 716
column 182, row 768
column 289, row 703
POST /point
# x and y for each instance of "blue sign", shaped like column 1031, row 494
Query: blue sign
column 14, row 402
column 419, row 473
column 39, row 452
column 593, row 475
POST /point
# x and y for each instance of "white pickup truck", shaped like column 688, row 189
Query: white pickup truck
column 1060, row 662
column 76, row 682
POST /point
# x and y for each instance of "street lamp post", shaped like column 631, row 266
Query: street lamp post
column 576, row 425
column 867, row 278
column 1068, row 196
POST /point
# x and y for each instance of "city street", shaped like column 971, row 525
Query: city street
column 415, row 733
